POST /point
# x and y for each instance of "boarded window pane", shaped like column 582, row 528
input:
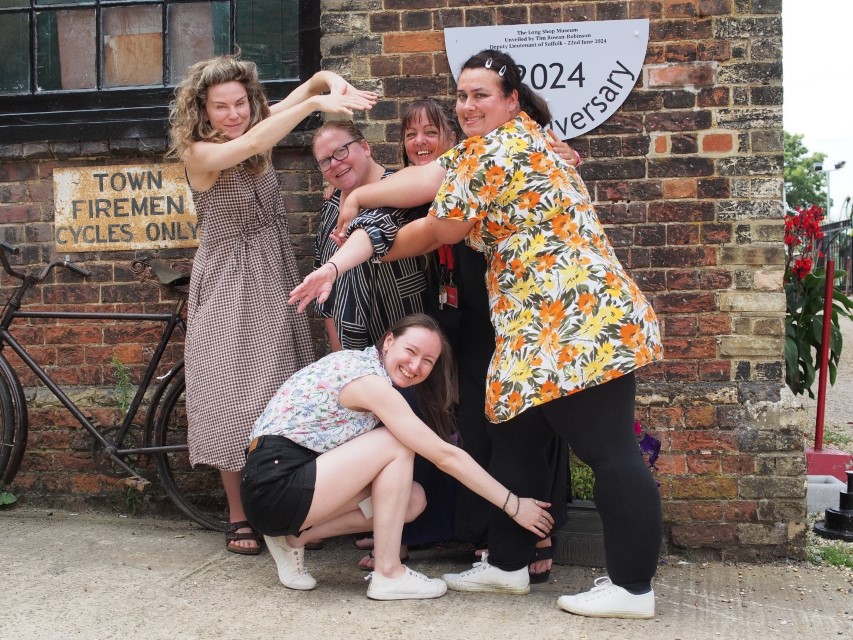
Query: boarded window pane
column 268, row 34
column 197, row 31
column 15, row 61
column 66, row 50
column 133, row 46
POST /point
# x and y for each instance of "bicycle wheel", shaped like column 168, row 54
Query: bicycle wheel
column 198, row 491
column 13, row 422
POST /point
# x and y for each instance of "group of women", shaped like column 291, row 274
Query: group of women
column 570, row 329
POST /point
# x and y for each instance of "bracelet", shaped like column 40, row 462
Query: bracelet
column 517, row 506
column 337, row 273
column 506, row 502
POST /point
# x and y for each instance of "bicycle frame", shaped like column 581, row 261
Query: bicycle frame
column 114, row 448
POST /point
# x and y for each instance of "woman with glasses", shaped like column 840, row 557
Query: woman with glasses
column 372, row 297
column 241, row 341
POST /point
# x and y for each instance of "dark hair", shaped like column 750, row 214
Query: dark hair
column 510, row 79
column 438, row 394
column 339, row 125
column 435, row 113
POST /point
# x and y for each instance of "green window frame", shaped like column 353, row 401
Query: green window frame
column 101, row 69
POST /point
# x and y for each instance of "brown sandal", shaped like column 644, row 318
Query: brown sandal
column 232, row 536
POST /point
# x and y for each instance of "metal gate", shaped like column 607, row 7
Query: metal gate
column 838, row 246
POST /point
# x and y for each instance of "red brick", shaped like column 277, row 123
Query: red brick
column 665, row 417
column 679, row 326
column 715, row 325
column 699, row 417
column 413, row 42
column 706, row 511
column 680, row 8
column 682, row 75
column 704, row 440
column 691, row 348
column 672, row 464
column 703, row 464
column 679, row 188
column 74, row 334
column 740, row 464
column 718, row 142
column 20, row 213
column 706, row 487
column 715, row 370
column 704, row 535
column 740, row 511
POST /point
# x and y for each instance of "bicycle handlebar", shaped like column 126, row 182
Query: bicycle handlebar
column 66, row 263
column 76, row 269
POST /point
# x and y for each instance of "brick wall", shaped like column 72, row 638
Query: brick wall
column 687, row 176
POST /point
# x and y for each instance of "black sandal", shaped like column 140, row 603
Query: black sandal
column 542, row 553
column 232, row 536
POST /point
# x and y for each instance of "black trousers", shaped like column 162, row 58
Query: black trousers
column 598, row 424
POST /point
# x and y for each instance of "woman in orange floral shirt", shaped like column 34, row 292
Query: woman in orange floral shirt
column 572, row 327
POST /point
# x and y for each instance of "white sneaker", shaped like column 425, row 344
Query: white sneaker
column 290, row 563
column 606, row 600
column 485, row 577
column 410, row 586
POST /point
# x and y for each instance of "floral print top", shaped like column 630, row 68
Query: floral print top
column 306, row 410
column 566, row 314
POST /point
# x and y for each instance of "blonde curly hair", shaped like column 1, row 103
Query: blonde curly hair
column 188, row 122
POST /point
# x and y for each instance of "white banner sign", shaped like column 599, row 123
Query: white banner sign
column 585, row 70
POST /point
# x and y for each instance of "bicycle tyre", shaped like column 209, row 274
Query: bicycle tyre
column 15, row 423
column 196, row 491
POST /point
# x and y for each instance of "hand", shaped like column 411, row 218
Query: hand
column 533, row 517
column 317, row 284
column 337, row 85
column 564, row 150
column 339, row 103
column 347, row 212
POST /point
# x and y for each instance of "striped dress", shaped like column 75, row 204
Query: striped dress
column 368, row 299
column 243, row 339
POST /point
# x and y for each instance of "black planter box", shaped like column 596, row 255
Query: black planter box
column 581, row 540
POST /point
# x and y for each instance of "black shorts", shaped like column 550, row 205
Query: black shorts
column 278, row 485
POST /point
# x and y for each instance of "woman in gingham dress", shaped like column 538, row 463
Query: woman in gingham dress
column 242, row 341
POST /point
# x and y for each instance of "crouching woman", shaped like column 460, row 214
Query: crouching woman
column 333, row 454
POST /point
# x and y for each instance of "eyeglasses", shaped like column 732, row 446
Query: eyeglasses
column 339, row 154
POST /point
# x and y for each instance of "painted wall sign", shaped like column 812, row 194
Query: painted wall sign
column 585, row 70
column 123, row 207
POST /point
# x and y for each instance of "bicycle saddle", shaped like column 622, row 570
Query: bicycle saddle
column 167, row 275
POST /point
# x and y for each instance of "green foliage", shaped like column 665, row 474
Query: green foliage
column 7, row 499
column 838, row 555
column 803, row 185
column 582, row 479
column 804, row 330
column 123, row 388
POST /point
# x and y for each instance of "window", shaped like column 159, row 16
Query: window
column 98, row 69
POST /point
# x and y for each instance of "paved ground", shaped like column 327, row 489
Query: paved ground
column 67, row 576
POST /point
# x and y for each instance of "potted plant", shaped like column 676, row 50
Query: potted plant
column 804, row 297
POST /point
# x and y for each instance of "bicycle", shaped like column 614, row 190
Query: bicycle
column 195, row 492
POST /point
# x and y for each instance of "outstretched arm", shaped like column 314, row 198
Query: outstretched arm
column 318, row 284
column 414, row 239
column 374, row 394
column 322, row 82
column 409, row 187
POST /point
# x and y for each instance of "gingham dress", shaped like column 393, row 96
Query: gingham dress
column 243, row 339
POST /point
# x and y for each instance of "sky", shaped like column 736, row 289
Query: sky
column 818, row 99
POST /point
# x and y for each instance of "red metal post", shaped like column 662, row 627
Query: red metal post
column 824, row 354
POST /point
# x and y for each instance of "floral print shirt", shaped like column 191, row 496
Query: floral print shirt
column 566, row 314
column 306, row 410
